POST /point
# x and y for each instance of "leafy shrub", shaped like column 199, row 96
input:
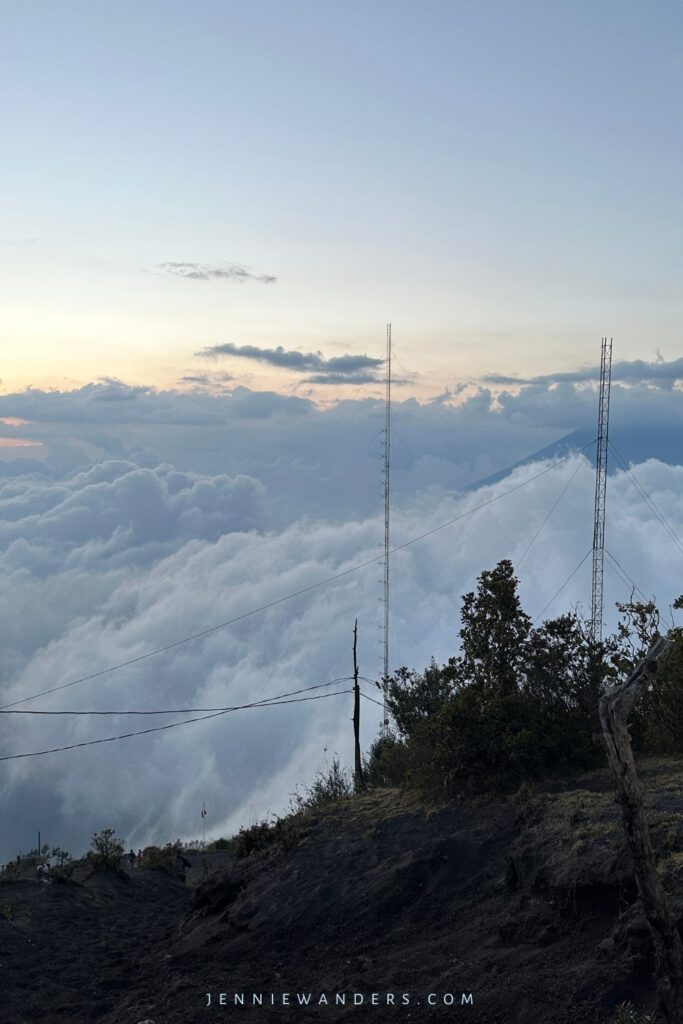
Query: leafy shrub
column 626, row 1013
column 64, row 866
column 412, row 697
column 328, row 787
column 283, row 833
column 503, row 739
column 386, row 762
column 517, row 703
column 254, row 837
column 337, row 783
column 659, row 714
column 219, row 844
column 106, row 849
column 160, row 856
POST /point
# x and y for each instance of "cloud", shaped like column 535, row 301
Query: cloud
column 324, row 462
column 359, row 369
column 636, row 371
column 158, row 514
column 114, row 518
column 103, row 566
column 207, row 381
column 342, row 378
column 19, row 442
column 214, row 272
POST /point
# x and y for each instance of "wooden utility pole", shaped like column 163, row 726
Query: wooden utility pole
column 356, row 712
column 615, row 707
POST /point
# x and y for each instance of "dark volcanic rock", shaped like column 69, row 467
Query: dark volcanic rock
column 528, row 904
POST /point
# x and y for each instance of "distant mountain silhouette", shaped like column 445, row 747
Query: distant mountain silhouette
column 634, row 445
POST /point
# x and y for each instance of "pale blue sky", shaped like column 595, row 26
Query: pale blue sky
column 501, row 180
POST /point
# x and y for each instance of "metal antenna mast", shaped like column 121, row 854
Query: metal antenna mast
column 387, row 510
column 600, row 490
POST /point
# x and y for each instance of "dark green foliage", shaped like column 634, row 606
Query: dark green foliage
column 414, row 697
column 327, row 787
column 256, row 837
column 283, row 833
column 218, row 844
column 160, row 856
column 493, row 633
column 385, row 764
column 660, row 712
column 504, row 739
column 520, row 702
column 64, row 863
column 657, row 719
column 636, row 631
column 107, row 849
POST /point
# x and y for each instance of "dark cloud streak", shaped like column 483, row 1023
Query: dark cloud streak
column 214, row 272
column 636, row 371
column 355, row 369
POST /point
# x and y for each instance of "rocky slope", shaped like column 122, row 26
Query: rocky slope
column 527, row 904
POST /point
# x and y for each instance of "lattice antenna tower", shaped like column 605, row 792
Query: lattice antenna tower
column 387, row 519
column 600, row 490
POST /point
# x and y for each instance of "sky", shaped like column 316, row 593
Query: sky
column 500, row 181
column 210, row 213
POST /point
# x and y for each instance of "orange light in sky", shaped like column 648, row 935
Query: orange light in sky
column 19, row 442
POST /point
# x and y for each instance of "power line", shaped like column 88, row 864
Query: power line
column 568, row 579
column 490, row 501
column 172, row 725
column 298, row 593
column 368, row 680
column 660, row 515
column 405, row 444
column 618, row 567
column 353, row 465
column 372, row 699
column 548, row 515
column 185, row 711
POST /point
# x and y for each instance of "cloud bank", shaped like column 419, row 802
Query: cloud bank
column 104, row 565
column 325, row 462
column 638, row 371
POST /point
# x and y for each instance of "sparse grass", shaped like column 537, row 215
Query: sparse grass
column 160, row 856
column 626, row 1013
column 219, row 844
column 284, row 833
column 327, row 788
column 8, row 911
column 594, row 831
column 671, row 866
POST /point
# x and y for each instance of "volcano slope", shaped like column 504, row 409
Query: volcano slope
column 525, row 904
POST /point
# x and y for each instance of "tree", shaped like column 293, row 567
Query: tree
column 563, row 673
column 636, row 632
column 493, row 634
column 107, row 848
column 413, row 697
column 65, row 863
column 616, row 705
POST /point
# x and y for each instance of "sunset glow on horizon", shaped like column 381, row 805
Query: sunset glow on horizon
column 505, row 203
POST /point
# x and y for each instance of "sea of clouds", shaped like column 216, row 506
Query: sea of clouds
column 152, row 516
